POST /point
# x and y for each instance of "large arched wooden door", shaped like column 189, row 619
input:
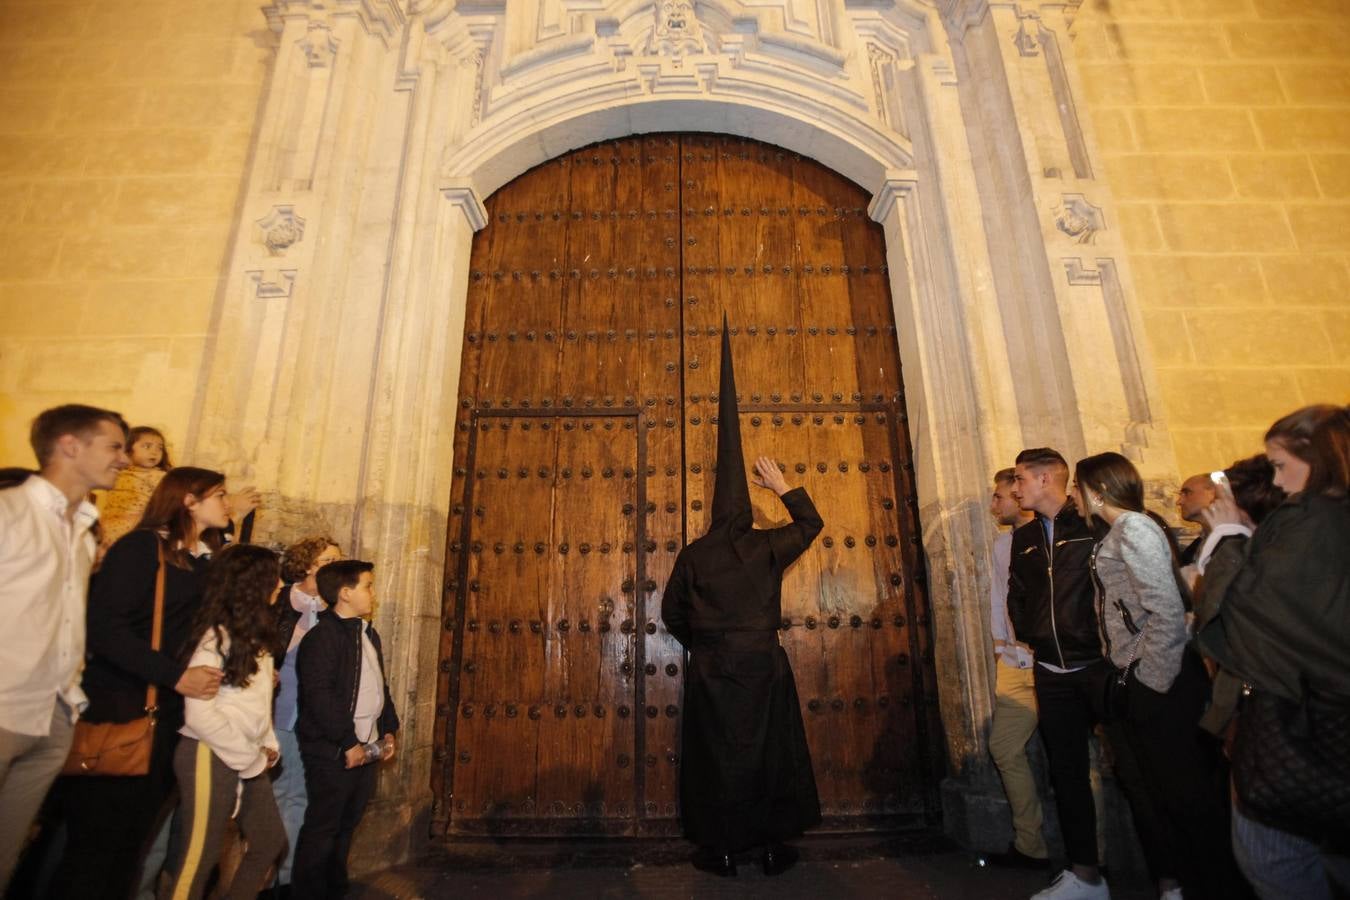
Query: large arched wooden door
column 583, row 464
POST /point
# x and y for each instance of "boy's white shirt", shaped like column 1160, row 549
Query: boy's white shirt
column 237, row 723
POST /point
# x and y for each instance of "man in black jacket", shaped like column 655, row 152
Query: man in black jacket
column 345, row 708
column 1053, row 609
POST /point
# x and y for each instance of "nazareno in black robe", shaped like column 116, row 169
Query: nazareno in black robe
column 745, row 775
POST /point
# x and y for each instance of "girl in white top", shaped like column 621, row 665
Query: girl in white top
column 227, row 742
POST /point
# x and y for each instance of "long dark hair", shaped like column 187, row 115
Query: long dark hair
column 1114, row 477
column 239, row 584
column 167, row 512
column 1320, row 436
column 1254, row 489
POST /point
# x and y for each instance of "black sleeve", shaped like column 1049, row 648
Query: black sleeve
column 674, row 603
column 1017, row 591
column 791, row 541
column 316, row 663
column 389, row 715
column 124, row 592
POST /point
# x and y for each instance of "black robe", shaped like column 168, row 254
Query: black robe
column 745, row 777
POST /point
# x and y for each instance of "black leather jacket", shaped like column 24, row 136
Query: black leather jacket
column 1051, row 601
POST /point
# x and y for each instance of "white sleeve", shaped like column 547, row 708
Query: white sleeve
column 1212, row 541
column 211, row 726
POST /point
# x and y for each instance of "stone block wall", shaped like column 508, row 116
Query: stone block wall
column 1224, row 126
column 125, row 130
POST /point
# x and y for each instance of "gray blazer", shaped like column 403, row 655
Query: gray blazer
column 1134, row 564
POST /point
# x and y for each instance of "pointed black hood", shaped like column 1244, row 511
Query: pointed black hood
column 731, row 507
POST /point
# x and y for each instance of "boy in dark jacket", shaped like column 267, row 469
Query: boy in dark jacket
column 345, row 711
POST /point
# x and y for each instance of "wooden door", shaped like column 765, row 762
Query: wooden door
column 583, row 464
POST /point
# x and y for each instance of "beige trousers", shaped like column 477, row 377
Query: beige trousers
column 1014, row 723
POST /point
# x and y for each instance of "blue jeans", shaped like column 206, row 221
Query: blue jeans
column 288, row 786
column 1284, row 866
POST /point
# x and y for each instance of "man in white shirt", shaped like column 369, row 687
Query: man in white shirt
column 1015, row 694
column 46, row 552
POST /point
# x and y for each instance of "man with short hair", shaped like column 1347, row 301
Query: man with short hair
column 1052, row 606
column 1015, row 694
column 346, row 713
column 46, row 552
column 1196, row 493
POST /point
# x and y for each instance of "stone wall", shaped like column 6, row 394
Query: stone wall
column 1225, row 129
column 125, row 131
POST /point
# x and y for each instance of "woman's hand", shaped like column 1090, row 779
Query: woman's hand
column 768, row 476
column 272, row 756
column 1223, row 511
column 199, row 682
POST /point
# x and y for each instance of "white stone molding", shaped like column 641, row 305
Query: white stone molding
column 272, row 285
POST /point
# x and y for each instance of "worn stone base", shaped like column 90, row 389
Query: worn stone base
column 975, row 815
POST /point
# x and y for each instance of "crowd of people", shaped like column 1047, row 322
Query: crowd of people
column 1219, row 674
column 162, row 676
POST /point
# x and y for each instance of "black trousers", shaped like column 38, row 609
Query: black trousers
column 110, row 821
column 337, row 800
column 1166, row 766
column 1070, row 706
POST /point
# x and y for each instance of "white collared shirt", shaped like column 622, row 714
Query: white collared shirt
column 370, row 692
column 1006, row 645
column 44, row 584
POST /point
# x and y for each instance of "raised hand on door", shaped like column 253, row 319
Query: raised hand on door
column 767, row 475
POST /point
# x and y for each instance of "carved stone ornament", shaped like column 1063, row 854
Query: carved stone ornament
column 1024, row 40
column 678, row 32
column 319, row 45
column 280, row 229
column 1079, row 219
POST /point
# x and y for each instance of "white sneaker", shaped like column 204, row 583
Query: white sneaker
column 1172, row 894
column 1068, row 886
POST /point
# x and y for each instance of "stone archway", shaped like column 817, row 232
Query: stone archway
column 332, row 372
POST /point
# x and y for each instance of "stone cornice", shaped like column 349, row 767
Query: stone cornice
column 897, row 187
column 382, row 18
column 465, row 198
column 962, row 14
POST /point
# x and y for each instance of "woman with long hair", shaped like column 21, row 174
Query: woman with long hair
column 1280, row 607
column 1157, row 691
column 111, row 819
column 227, row 741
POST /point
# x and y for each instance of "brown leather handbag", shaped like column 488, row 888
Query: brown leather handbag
column 121, row 748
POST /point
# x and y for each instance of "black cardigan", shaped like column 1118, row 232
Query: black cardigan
column 328, row 666
column 120, row 663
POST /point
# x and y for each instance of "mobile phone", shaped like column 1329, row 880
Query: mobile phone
column 1220, row 480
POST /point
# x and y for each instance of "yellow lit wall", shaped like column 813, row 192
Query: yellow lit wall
column 1224, row 126
column 1225, row 131
column 124, row 134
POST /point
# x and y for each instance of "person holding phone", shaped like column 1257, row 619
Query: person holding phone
column 1280, row 603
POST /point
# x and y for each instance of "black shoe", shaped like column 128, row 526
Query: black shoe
column 778, row 858
column 721, row 864
column 1013, row 858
